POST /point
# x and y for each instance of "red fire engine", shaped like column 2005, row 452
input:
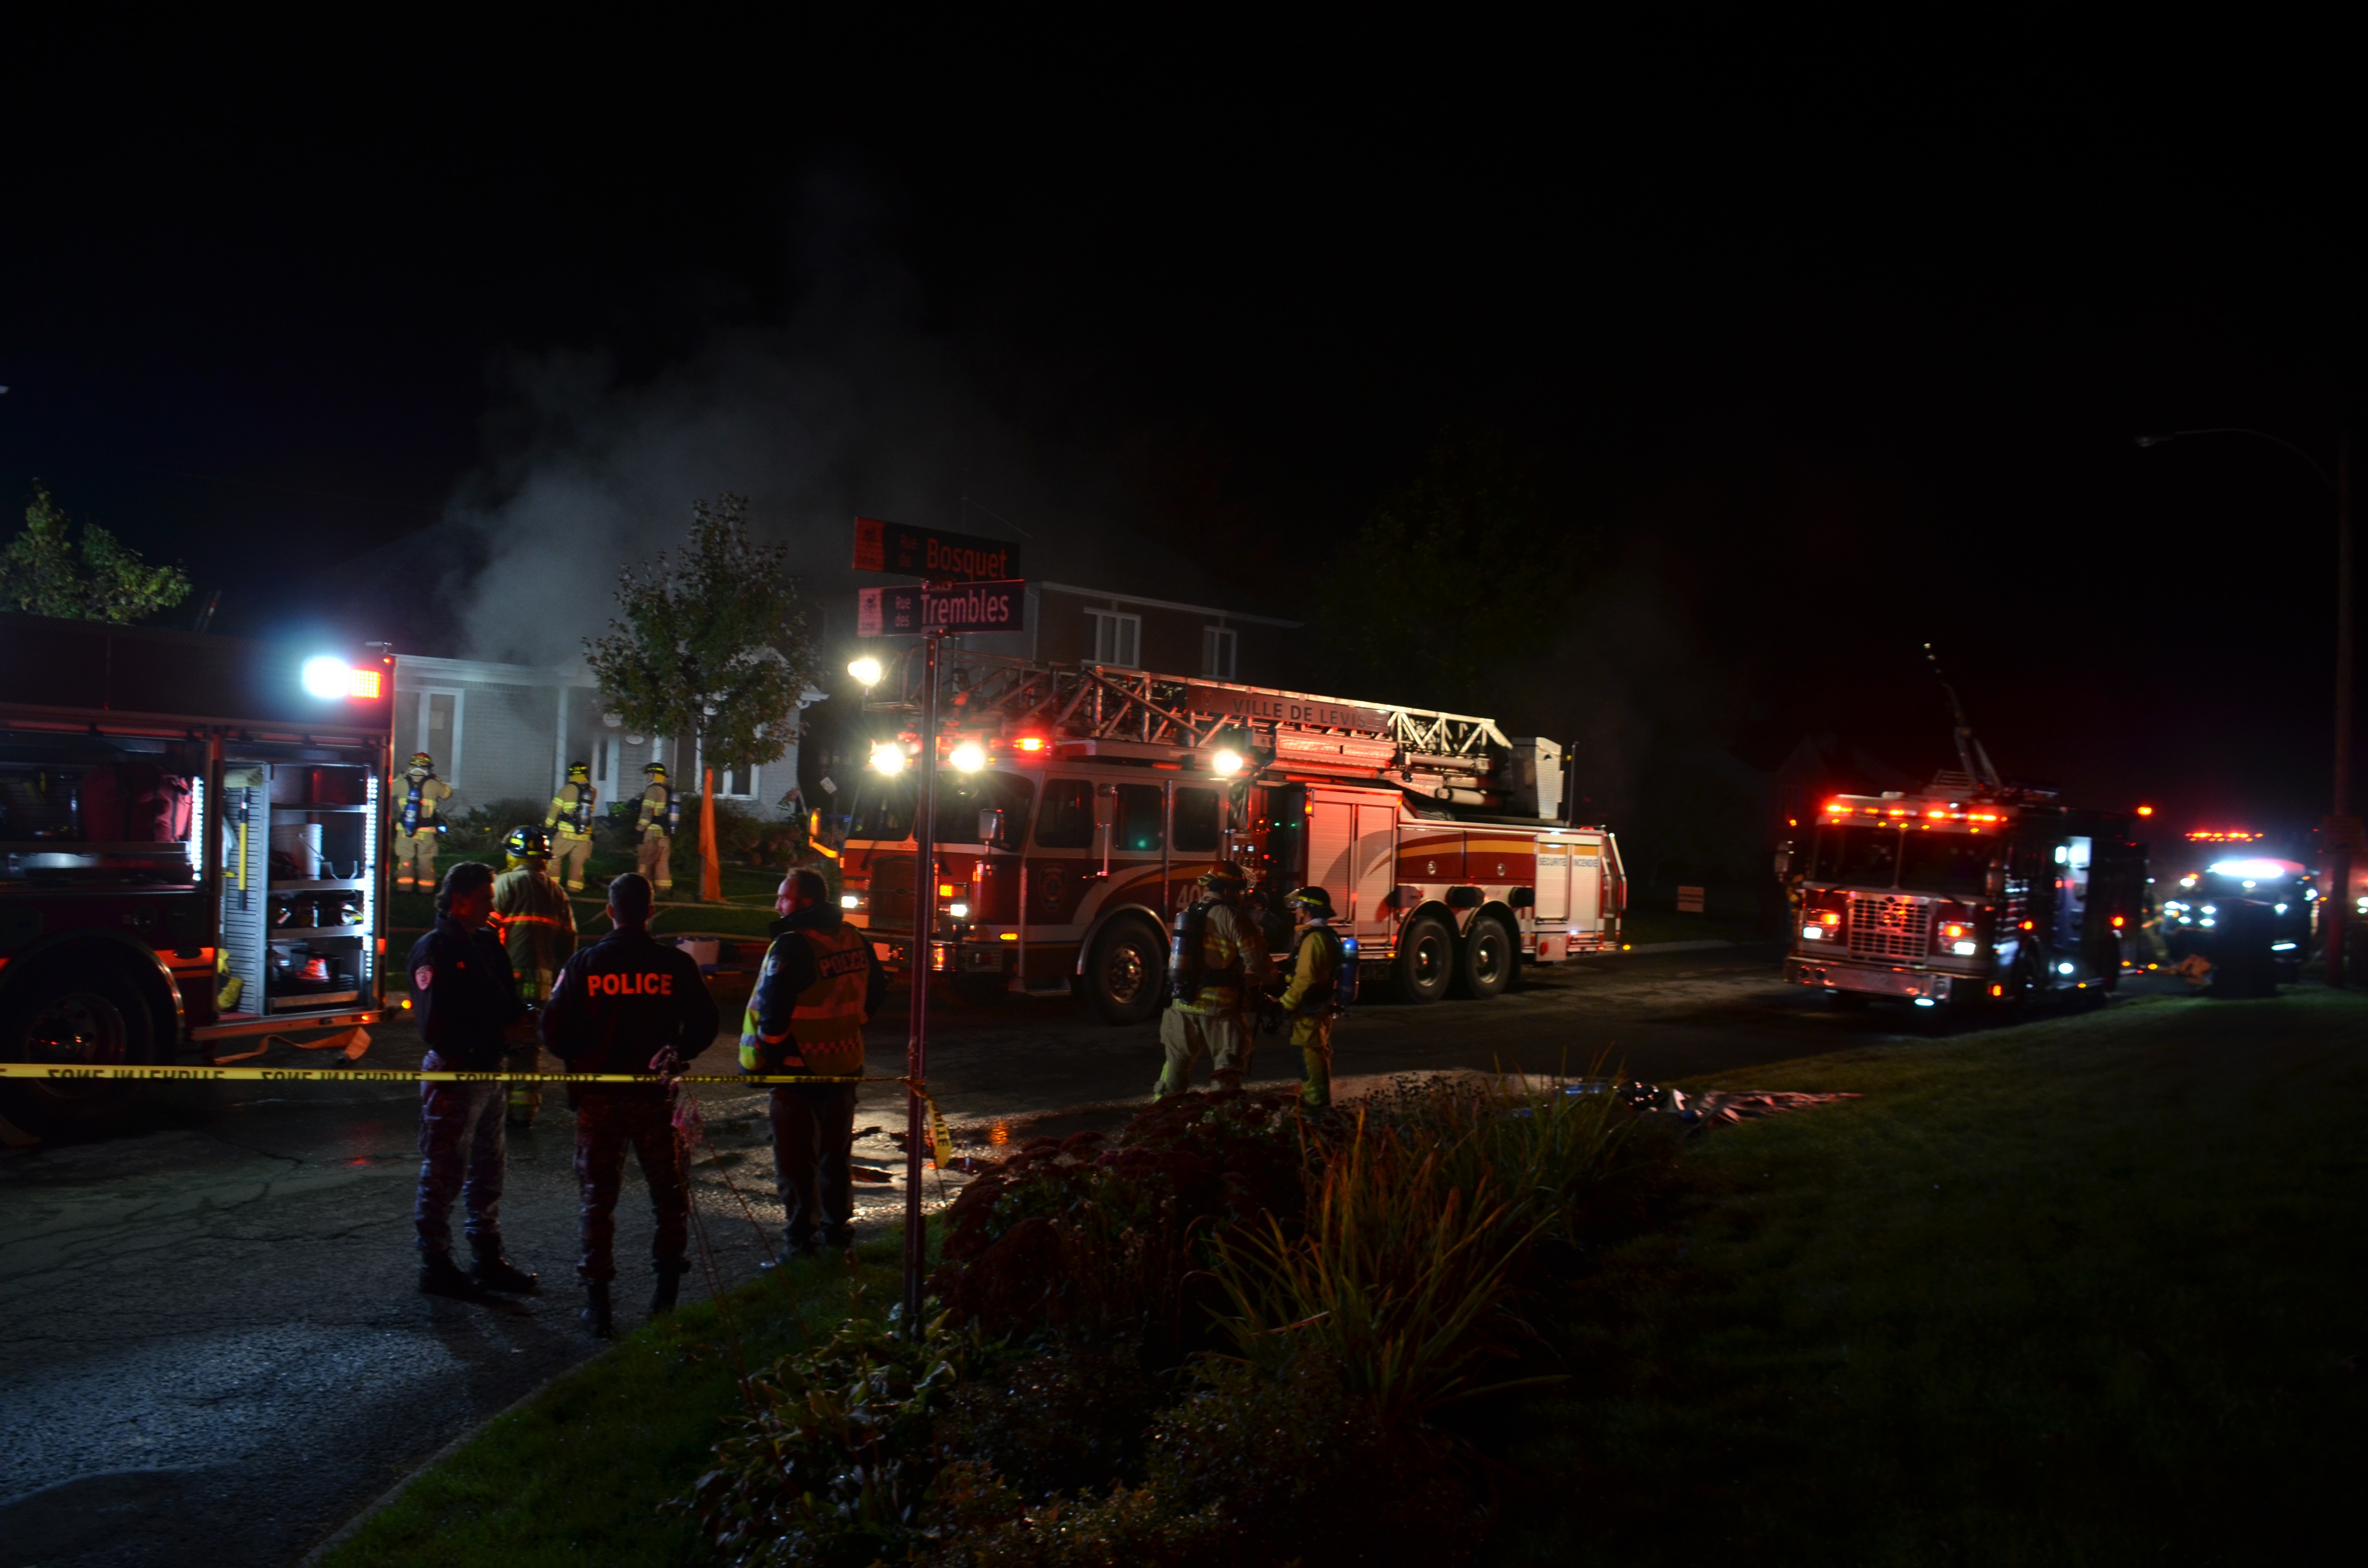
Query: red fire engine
column 1077, row 804
column 190, row 849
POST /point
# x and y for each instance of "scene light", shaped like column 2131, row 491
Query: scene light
column 1225, row 764
column 969, row 756
column 887, row 758
column 2257, row 870
column 866, row 669
column 327, row 676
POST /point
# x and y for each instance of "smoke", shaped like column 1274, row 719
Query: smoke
column 847, row 407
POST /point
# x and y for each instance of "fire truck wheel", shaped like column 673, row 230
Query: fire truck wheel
column 1126, row 972
column 1426, row 959
column 86, row 1014
column 1484, row 963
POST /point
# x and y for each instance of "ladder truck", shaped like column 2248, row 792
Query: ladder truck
column 1078, row 805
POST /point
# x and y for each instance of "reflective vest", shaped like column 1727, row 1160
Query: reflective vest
column 825, row 1034
column 573, row 818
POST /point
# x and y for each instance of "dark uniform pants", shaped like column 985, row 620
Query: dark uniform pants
column 605, row 1124
column 462, row 1150
column 813, row 1136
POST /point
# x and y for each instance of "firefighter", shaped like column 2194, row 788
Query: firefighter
column 819, row 981
column 1210, row 987
column 1310, row 999
column 661, row 814
column 537, row 930
column 419, row 825
column 467, row 1000
column 628, row 1003
column 571, row 817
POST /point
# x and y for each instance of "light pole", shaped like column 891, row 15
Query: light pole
column 2341, row 832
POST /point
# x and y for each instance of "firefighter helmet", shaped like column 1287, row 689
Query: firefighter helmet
column 576, row 770
column 1314, row 901
column 1223, row 874
column 656, row 770
column 527, row 844
column 422, row 763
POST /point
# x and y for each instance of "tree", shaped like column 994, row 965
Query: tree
column 713, row 646
column 1450, row 577
column 42, row 573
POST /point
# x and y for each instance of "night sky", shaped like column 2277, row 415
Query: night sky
column 1820, row 346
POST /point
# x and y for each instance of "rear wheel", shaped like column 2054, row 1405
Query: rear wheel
column 86, row 1016
column 1426, row 959
column 1126, row 972
column 1484, row 963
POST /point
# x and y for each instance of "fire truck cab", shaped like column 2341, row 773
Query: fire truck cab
column 191, row 851
column 1076, row 807
column 1962, row 895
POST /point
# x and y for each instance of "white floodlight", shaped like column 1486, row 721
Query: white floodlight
column 1225, row 764
column 866, row 669
column 887, row 756
column 969, row 756
column 2253, row 870
column 327, row 676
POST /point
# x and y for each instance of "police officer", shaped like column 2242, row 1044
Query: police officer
column 537, row 930
column 571, row 817
column 1307, row 1000
column 620, row 1005
column 819, row 981
column 1234, row 965
column 467, row 999
column 418, row 826
column 661, row 814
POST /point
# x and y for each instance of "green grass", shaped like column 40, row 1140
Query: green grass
column 2088, row 1290
column 576, row 1475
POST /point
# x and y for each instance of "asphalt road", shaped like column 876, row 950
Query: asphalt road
column 214, row 1352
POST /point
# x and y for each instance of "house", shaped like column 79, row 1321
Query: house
column 507, row 732
column 1073, row 625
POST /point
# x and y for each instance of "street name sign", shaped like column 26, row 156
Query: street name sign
column 933, row 553
column 972, row 606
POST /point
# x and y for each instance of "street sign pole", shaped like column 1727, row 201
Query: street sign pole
column 925, row 930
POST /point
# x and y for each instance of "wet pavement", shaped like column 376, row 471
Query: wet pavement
column 215, row 1352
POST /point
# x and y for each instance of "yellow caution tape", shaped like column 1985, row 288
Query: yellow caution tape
column 385, row 1075
column 941, row 1144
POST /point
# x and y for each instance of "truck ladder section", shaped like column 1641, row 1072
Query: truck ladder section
column 1110, row 709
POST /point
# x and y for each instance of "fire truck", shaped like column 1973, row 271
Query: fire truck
column 1077, row 804
column 190, row 854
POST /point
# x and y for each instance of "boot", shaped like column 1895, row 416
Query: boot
column 439, row 1276
column 596, row 1310
column 669, row 1283
column 492, row 1271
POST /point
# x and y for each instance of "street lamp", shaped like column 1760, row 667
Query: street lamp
column 866, row 669
column 2340, row 831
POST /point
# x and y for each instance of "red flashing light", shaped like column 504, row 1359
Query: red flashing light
column 364, row 683
column 2145, row 810
column 1030, row 743
column 2117, row 921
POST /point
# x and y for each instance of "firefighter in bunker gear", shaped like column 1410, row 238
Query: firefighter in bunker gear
column 461, row 983
column 819, row 981
column 661, row 814
column 620, row 1005
column 1232, row 965
column 537, row 930
column 418, row 824
column 571, row 818
column 1308, row 1001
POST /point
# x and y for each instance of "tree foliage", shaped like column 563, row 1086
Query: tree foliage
column 44, row 572
column 1447, row 579
column 712, row 644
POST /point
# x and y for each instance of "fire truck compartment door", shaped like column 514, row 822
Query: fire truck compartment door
column 1331, row 828
column 1587, row 878
column 1375, row 857
column 1553, row 883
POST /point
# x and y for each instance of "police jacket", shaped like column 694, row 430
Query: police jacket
column 623, row 1000
column 819, row 981
column 466, row 995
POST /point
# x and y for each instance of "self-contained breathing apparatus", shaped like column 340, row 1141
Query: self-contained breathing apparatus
column 421, row 775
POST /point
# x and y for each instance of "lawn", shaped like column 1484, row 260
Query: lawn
column 576, row 1475
column 2089, row 1290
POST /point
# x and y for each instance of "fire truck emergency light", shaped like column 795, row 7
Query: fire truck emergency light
column 1225, row 764
column 887, row 758
column 329, row 677
column 969, row 756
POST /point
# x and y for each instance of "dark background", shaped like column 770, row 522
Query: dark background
column 1815, row 344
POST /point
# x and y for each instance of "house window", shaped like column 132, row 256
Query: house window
column 739, row 786
column 1118, row 638
column 439, row 732
column 1217, row 653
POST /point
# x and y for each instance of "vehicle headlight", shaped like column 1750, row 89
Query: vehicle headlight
column 1813, row 933
column 1963, row 950
column 959, row 911
column 850, row 901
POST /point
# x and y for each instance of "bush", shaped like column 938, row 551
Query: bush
column 1061, row 1421
column 1081, row 1241
column 478, row 833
